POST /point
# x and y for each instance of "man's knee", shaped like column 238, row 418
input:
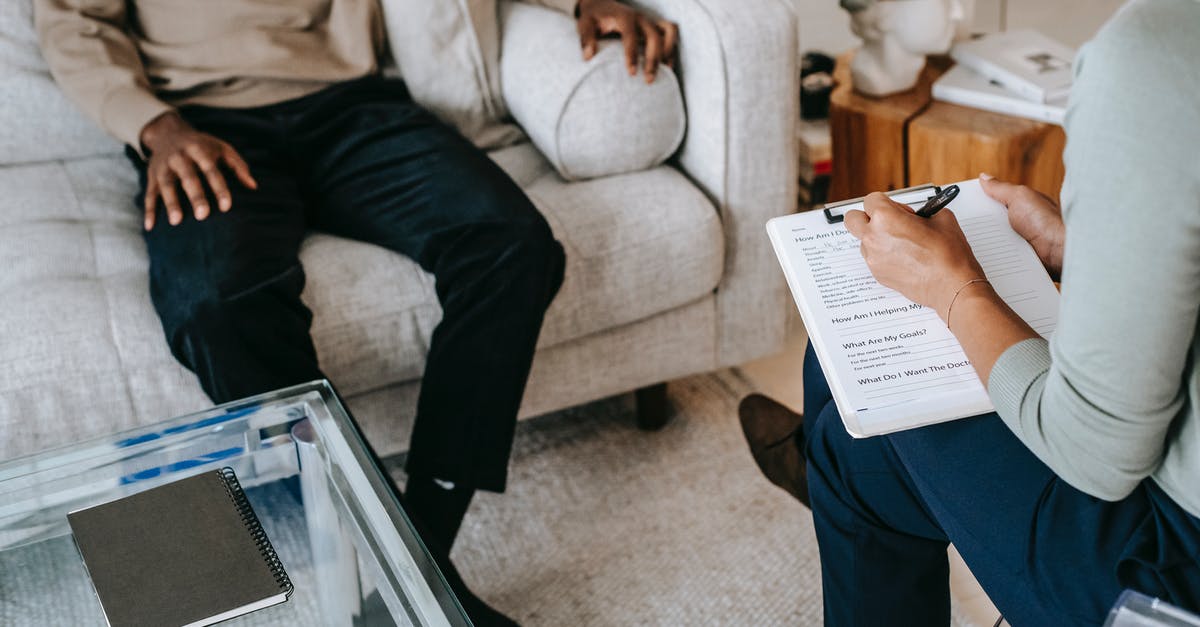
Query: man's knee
column 520, row 245
column 532, row 243
column 533, row 257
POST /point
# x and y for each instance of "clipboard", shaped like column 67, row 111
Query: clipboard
column 892, row 364
column 835, row 212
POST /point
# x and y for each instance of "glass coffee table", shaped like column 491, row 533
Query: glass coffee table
column 346, row 543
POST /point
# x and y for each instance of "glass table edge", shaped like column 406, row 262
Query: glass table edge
column 74, row 452
column 386, row 496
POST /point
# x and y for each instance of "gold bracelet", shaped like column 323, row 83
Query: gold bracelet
column 955, row 298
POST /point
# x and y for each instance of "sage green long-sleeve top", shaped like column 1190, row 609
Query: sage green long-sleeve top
column 1113, row 398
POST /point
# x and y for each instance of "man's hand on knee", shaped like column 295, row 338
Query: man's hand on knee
column 598, row 18
column 179, row 155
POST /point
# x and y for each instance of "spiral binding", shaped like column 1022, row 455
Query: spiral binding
column 234, row 489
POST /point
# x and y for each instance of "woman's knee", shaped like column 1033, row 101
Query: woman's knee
column 828, row 449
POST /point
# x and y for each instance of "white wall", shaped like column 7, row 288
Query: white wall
column 1070, row 21
column 825, row 26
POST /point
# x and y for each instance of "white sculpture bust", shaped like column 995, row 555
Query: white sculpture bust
column 897, row 35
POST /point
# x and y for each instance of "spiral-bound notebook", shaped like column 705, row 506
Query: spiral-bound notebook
column 190, row 552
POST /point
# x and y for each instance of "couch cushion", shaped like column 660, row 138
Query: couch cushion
column 39, row 123
column 65, row 366
column 522, row 162
column 82, row 340
column 637, row 244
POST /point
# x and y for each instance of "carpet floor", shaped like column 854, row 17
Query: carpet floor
column 604, row 524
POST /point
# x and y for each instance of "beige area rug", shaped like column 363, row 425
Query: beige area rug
column 604, row 524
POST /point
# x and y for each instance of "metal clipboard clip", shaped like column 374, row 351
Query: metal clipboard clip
column 835, row 212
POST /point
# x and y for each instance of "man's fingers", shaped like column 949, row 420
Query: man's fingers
column 214, row 178
column 150, row 203
column 654, row 44
column 171, row 201
column 192, row 186
column 587, row 37
column 1001, row 191
column 216, row 182
column 239, row 166
column 629, row 37
column 856, row 222
column 670, row 41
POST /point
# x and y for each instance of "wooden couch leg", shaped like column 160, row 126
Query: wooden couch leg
column 653, row 411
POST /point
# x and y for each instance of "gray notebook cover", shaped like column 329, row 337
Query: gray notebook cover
column 190, row 552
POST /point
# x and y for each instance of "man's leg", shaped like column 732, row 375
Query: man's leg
column 228, row 292
column 1046, row 553
column 385, row 171
column 227, row 289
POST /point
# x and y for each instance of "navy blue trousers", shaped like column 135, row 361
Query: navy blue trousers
column 886, row 507
column 361, row 160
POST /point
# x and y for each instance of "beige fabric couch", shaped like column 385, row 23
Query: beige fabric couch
column 668, row 271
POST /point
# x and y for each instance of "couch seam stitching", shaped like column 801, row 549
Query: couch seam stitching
column 562, row 114
column 112, row 336
column 724, row 197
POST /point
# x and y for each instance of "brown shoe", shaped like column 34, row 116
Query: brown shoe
column 771, row 430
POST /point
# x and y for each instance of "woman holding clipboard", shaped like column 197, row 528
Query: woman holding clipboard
column 1086, row 480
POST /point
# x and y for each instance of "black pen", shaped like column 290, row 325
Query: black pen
column 938, row 202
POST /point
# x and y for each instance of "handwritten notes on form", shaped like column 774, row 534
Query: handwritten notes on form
column 892, row 364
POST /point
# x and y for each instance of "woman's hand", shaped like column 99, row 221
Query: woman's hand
column 1034, row 217
column 925, row 259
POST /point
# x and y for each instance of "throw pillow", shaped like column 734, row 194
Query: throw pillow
column 590, row 119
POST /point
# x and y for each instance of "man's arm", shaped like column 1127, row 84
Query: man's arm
column 97, row 64
column 599, row 18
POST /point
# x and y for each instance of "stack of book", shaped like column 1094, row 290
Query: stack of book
column 1022, row 73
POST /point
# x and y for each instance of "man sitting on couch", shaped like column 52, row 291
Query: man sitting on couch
column 251, row 123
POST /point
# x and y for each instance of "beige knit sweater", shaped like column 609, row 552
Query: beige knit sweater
column 124, row 62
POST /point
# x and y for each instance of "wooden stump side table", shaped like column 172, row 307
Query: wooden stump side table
column 908, row 139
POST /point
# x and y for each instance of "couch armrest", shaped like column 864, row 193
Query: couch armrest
column 739, row 67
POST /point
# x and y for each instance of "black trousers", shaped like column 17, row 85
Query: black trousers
column 361, row 160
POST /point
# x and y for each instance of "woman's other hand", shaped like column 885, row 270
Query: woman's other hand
column 925, row 259
column 1034, row 216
